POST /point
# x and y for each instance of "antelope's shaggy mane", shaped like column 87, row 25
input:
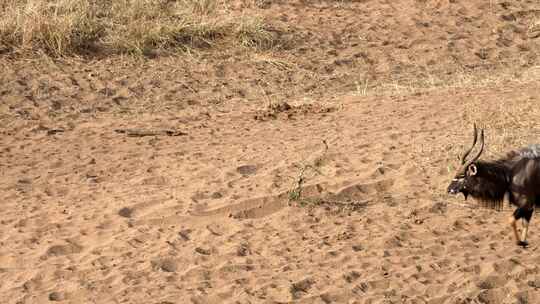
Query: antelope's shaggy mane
column 491, row 183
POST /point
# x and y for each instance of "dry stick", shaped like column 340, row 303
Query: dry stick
column 344, row 205
column 144, row 132
column 268, row 101
column 296, row 193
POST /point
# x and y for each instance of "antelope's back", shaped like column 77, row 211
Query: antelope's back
column 526, row 169
column 531, row 151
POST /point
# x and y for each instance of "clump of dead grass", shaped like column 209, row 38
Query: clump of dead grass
column 67, row 27
column 534, row 29
column 254, row 33
column 55, row 27
column 203, row 7
column 143, row 27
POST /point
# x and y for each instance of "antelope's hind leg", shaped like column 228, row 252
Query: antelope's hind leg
column 513, row 223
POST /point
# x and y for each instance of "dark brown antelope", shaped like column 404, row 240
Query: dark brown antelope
column 516, row 175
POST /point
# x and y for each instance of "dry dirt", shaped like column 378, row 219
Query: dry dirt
column 315, row 173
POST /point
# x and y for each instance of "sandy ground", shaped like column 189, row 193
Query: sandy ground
column 169, row 181
column 98, row 216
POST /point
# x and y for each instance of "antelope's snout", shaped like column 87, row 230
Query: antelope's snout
column 454, row 187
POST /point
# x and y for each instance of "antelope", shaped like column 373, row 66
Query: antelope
column 516, row 175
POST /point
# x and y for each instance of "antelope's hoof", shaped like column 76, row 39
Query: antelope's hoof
column 523, row 244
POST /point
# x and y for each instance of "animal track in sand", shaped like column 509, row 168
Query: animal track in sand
column 144, row 208
column 251, row 208
column 64, row 249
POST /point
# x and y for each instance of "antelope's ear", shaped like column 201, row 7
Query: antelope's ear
column 472, row 170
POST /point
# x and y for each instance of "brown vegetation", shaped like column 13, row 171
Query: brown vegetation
column 68, row 27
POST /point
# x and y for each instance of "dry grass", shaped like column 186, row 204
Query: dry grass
column 534, row 28
column 505, row 120
column 57, row 28
column 455, row 82
column 67, row 27
column 509, row 123
column 254, row 33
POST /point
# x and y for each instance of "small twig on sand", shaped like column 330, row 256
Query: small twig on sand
column 343, row 205
column 296, row 193
column 54, row 131
column 143, row 132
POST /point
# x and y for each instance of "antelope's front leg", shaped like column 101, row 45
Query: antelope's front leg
column 526, row 220
column 524, row 213
column 525, row 224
